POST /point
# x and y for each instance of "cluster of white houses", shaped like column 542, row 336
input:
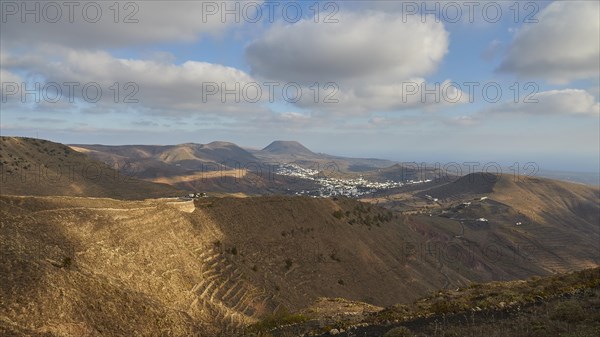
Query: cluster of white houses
column 329, row 187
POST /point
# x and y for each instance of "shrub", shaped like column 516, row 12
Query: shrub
column 67, row 262
column 446, row 307
column 288, row 264
column 338, row 214
column 452, row 332
column 569, row 311
column 400, row 331
column 282, row 317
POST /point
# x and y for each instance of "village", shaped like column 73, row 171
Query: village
column 330, row 186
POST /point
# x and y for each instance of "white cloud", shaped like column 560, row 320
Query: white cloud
column 370, row 56
column 492, row 50
column 7, row 76
column 381, row 122
column 462, row 121
column 138, row 22
column 360, row 46
column 564, row 45
column 356, row 98
column 574, row 102
column 9, row 83
column 164, row 88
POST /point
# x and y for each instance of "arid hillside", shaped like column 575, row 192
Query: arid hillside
column 39, row 167
column 533, row 200
column 157, row 161
column 560, row 305
column 75, row 262
column 210, row 267
column 281, row 151
column 543, row 220
column 108, row 267
column 290, row 148
column 153, row 161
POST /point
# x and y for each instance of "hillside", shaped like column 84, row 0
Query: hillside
column 253, row 181
column 173, row 159
column 539, row 200
column 468, row 186
column 219, row 268
column 293, row 152
column 561, row 305
column 291, row 148
column 222, row 167
column 545, row 220
column 108, row 267
column 38, row 167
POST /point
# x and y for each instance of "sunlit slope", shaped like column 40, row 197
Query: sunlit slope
column 38, row 167
column 158, row 267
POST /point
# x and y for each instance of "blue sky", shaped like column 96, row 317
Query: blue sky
column 369, row 57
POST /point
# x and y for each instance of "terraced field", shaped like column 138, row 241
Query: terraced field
column 212, row 267
column 149, row 248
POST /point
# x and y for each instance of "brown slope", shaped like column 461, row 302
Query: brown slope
column 294, row 152
column 552, row 196
column 172, row 159
column 554, row 223
column 223, row 266
column 40, row 167
column 229, row 261
column 97, row 293
column 293, row 148
column 540, row 198
column 469, row 186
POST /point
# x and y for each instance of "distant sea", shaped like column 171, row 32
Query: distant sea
column 587, row 178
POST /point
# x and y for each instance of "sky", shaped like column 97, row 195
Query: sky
column 445, row 81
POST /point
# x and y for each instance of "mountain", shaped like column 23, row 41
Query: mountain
column 546, row 306
column 540, row 199
column 404, row 172
column 75, row 263
column 468, row 186
column 39, row 167
column 291, row 148
column 89, row 266
column 172, row 163
column 293, row 152
column 224, row 167
column 173, row 159
column 105, row 267
column 543, row 219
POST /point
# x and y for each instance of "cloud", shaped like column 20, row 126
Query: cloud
column 6, row 77
column 483, row 13
column 356, row 98
column 564, row 45
column 91, row 24
column 492, row 50
column 368, row 56
column 566, row 102
column 9, row 84
column 359, row 46
column 159, row 87
column 381, row 122
column 462, row 121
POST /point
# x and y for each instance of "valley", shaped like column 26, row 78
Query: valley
column 315, row 249
column 289, row 168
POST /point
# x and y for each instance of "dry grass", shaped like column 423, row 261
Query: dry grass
column 201, row 176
